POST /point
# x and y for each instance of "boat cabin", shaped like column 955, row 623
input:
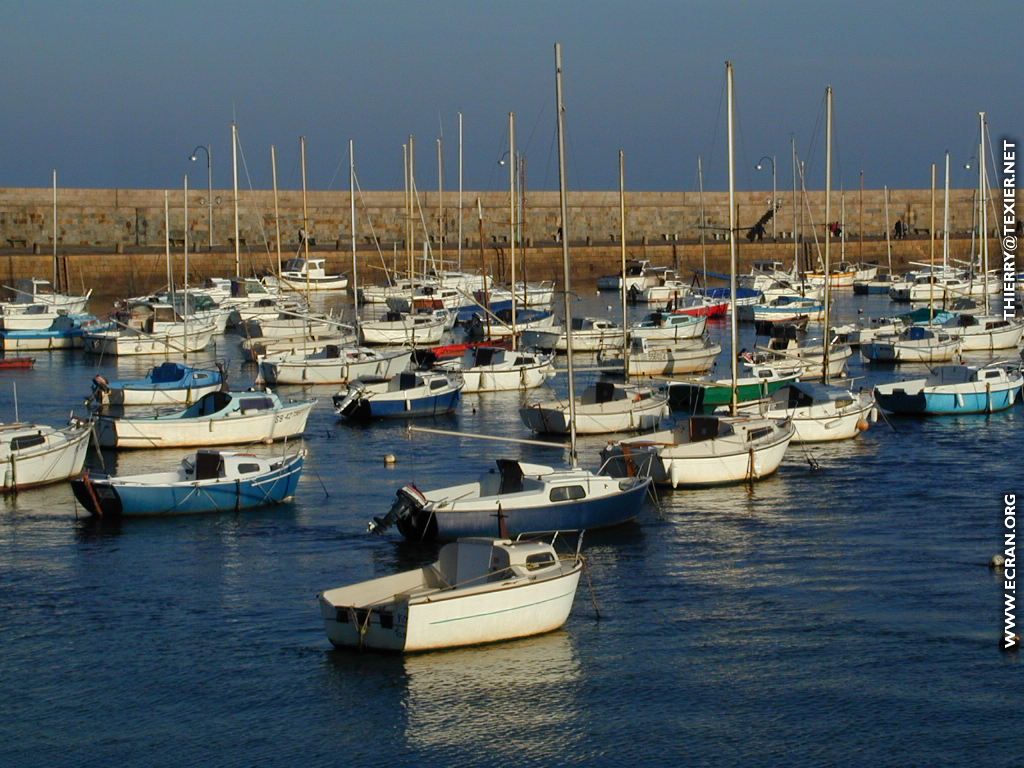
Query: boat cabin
column 215, row 464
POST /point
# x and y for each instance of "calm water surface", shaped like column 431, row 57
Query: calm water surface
column 838, row 616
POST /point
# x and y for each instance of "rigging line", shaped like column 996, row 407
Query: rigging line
column 259, row 217
column 337, row 169
column 718, row 120
column 369, row 221
column 814, row 136
column 536, row 125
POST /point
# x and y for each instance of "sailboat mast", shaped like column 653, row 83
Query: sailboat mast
column 412, row 212
column 440, row 201
column 234, row 182
column 460, row 195
column 56, row 273
column 277, row 211
column 860, row 221
column 931, row 257
column 945, row 218
column 167, row 246
column 563, row 210
column 512, row 218
column 826, row 341
column 622, row 251
column 983, row 182
column 888, row 240
column 352, row 222
column 184, row 237
column 734, row 331
column 796, row 206
column 305, row 212
column 703, row 244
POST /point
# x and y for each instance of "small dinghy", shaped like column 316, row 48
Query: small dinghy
column 409, row 394
column 206, row 481
column 478, row 591
column 953, row 389
column 168, row 383
column 14, row 363
column 219, row 418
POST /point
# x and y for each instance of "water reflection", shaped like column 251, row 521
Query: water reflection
column 496, row 700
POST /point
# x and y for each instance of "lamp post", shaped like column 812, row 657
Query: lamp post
column 760, row 166
column 209, row 183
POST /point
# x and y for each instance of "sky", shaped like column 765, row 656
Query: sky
column 118, row 94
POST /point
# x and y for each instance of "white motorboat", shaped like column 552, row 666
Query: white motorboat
column 300, row 274
column 254, row 349
column 916, row 344
column 333, row 365
column 402, row 288
column 669, row 326
column 819, row 412
column 604, row 407
column 173, row 340
column 37, row 291
column 985, row 333
column 783, row 309
column 37, row 454
column 639, row 274
column 704, row 450
column 494, row 369
column 35, row 317
column 219, row 418
column 405, row 329
column 665, row 358
column 536, row 295
column 285, row 326
column 479, row 591
column 589, row 334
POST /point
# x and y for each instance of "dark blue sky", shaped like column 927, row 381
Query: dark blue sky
column 117, row 94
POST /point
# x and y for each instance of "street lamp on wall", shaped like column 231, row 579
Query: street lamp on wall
column 209, row 181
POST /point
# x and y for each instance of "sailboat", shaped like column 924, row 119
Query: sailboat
column 709, row 450
column 604, row 406
column 953, row 389
column 523, row 497
column 819, row 413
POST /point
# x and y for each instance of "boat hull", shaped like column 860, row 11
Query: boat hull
column 695, row 397
column 51, row 464
column 412, row 625
column 118, row 500
column 264, row 426
column 595, row 419
column 930, row 401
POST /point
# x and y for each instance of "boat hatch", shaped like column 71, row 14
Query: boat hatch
column 567, row 493
column 209, row 465
column 22, row 442
column 167, row 372
column 703, row 428
column 511, row 476
column 604, row 392
column 246, row 404
column 211, row 403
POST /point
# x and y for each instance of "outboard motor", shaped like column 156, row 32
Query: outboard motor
column 100, row 387
column 347, row 405
column 408, row 512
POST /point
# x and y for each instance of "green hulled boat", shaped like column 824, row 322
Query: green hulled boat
column 705, row 396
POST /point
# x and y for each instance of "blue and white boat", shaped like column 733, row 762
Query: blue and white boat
column 218, row 418
column 517, row 498
column 166, row 384
column 410, row 394
column 207, row 481
column 952, row 389
column 65, row 332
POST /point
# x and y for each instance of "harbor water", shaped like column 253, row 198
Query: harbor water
column 838, row 613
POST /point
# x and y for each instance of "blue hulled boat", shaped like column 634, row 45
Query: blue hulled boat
column 517, row 498
column 409, row 394
column 207, row 481
column 168, row 383
column 953, row 389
